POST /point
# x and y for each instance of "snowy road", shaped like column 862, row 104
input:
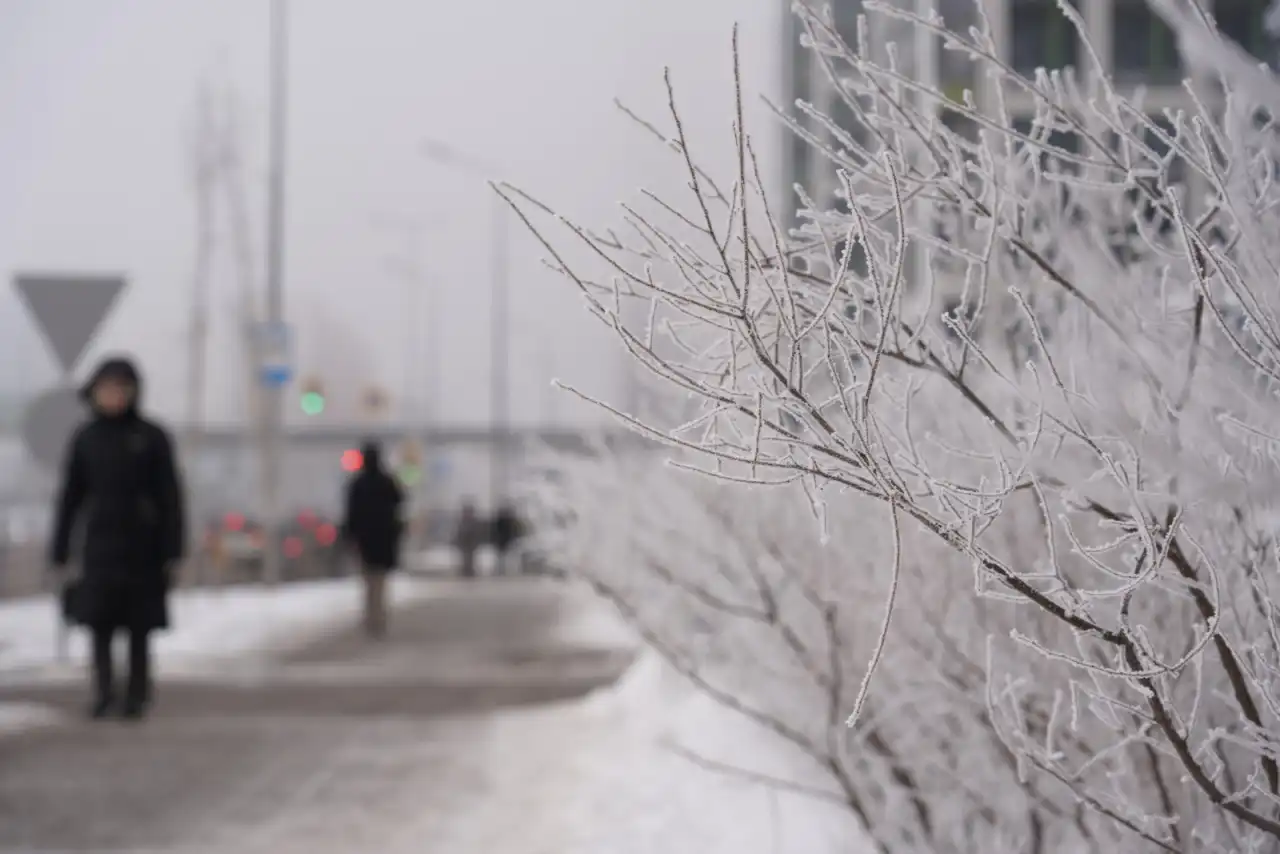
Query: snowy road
column 346, row 747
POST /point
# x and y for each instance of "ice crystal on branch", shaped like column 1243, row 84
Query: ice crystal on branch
column 1025, row 374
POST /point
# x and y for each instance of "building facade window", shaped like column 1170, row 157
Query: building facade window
column 1244, row 22
column 1042, row 36
column 1143, row 48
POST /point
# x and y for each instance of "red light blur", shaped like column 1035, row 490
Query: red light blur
column 234, row 522
column 326, row 535
column 307, row 519
column 292, row 548
column 352, row 460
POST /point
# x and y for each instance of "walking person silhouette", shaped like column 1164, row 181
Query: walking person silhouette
column 121, row 487
column 372, row 525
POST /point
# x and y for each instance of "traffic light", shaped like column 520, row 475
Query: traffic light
column 312, row 400
column 410, row 470
column 352, row 460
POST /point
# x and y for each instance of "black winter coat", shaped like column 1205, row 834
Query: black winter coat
column 372, row 521
column 121, row 488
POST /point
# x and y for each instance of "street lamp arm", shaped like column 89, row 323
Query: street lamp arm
column 447, row 155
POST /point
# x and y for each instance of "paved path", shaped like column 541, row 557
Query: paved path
column 346, row 746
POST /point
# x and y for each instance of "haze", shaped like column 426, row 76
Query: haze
column 96, row 103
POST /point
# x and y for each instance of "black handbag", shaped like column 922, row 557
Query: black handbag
column 72, row 599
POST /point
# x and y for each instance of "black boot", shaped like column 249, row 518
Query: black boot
column 135, row 709
column 101, row 708
column 138, row 695
column 103, row 683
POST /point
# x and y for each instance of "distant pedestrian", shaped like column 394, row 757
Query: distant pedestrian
column 373, row 526
column 468, row 537
column 506, row 530
column 120, row 482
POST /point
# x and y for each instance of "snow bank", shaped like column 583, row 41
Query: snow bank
column 209, row 626
column 589, row 621
column 609, row 778
column 24, row 717
column 635, row 794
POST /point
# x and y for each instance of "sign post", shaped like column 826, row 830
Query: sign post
column 275, row 370
column 276, row 343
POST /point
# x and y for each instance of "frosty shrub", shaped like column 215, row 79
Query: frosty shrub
column 989, row 527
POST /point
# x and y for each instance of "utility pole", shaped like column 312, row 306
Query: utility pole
column 499, row 375
column 249, row 311
column 273, row 409
column 205, row 165
column 420, row 387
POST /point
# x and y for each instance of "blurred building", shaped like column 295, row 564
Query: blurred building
column 1134, row 45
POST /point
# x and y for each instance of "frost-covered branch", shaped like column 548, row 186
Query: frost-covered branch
column 1054, row 366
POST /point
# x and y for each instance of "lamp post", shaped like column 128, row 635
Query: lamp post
column 273, row 411
column 406, row 266
column 499, row 315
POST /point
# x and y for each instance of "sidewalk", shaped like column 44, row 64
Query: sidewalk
column 345, row 745
column 454, row 647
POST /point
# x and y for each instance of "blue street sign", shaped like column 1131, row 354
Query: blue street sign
column 276, row 376
column 276, row 345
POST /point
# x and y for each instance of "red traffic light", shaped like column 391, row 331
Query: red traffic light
column 234, row 522
column 326, row 535
column 352, row 460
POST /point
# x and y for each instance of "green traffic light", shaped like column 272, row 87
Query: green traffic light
column 313, row 403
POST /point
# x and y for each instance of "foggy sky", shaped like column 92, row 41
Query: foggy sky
column 96, row 101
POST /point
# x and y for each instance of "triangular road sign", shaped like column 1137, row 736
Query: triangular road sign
column 68, row 309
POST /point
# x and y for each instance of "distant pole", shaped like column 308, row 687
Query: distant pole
column 420, row 380
column 410, row 394
column 499, row 385
column 205, row 168
column 274, row 404
column 433, row 420
column 203, row 173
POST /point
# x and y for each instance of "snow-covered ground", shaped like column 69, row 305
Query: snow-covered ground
column 599, row 775
column 666, row 802
column 209, row 626
column 575, row 778
column 21, row 717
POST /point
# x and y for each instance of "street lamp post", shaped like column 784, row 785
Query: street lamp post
column 500, row 370
column 406, row 265
column 499, row 315
column 273, row 410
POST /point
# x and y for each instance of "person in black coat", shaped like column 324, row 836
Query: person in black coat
column 122, row 492
column 506, row 530
column 372, row 526
column 468, row 536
